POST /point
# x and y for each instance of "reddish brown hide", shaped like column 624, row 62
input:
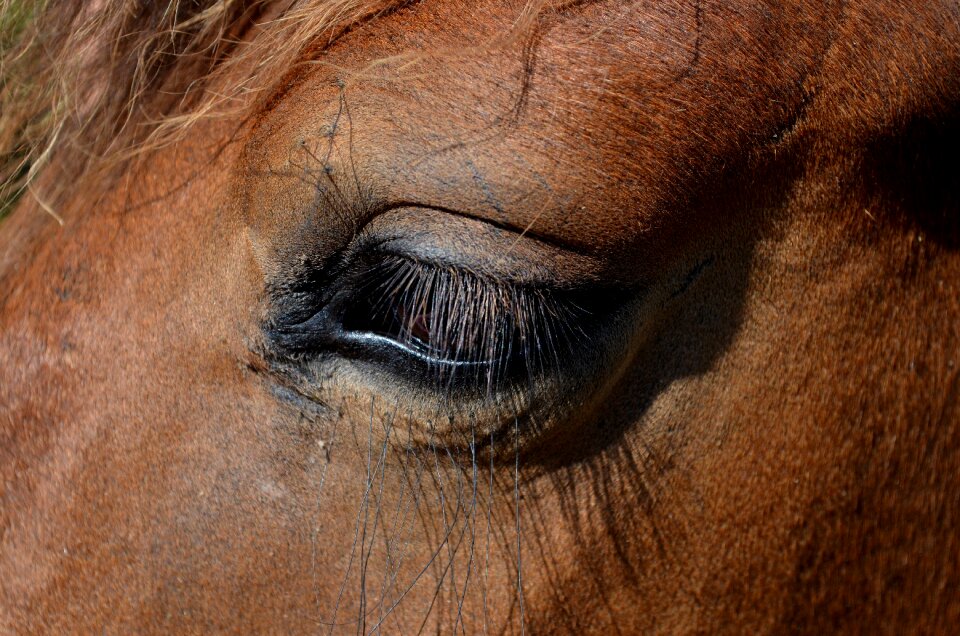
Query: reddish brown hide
column 693, row 267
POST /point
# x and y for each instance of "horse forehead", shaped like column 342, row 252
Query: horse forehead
column 597, row 122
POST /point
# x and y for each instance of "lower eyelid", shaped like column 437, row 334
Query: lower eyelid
column 372, row 340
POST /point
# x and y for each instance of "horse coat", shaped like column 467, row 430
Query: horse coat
column 467, row 317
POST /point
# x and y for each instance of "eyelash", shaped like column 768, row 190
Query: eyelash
column 463, row 325
column 454, row 326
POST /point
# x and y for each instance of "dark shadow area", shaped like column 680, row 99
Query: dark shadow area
column 917, row 173
column 680, row 338
column 593, row 465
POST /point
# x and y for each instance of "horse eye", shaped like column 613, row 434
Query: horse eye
column 441, row 324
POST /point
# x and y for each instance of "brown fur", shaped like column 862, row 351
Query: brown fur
column 764, row 439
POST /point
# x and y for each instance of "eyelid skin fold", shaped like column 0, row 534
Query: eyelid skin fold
column 446, row 239
column 446, row 305
column 465, row 325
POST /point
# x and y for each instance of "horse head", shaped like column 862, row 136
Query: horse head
column 483, row 316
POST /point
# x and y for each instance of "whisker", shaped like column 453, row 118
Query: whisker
column 516, row 495
column 316, row 528
column 360, row 512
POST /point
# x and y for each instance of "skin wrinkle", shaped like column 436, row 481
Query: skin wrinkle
column 761, row 439
column 812, row 80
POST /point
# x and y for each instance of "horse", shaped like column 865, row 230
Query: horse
column 327, row 316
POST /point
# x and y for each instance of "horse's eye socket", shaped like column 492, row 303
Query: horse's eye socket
column 443, row 324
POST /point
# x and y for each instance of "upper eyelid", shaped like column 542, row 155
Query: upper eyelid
column 389, row 250
column 473, row 245
column 432, row 242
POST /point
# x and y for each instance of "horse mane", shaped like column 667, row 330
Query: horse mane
column 93, row 84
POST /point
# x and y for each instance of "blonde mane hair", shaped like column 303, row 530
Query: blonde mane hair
column 92, row 84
